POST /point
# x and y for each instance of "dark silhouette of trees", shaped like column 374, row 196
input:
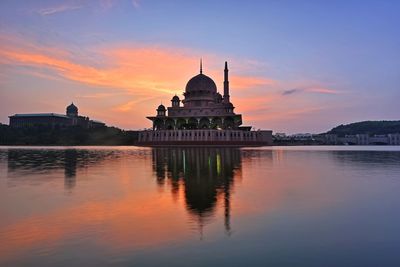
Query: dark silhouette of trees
column 66, row 136
column 367, row 127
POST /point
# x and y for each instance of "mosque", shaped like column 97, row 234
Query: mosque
column 202, row 117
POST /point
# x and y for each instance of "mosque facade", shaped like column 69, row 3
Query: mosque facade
column 203, row 117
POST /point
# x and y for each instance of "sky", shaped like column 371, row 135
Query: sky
column 296, row 66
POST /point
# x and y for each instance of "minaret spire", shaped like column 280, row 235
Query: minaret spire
column 201, row 66
column 226, row 84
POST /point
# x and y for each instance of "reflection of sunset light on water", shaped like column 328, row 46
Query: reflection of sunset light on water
column 124, row 201
column 218, row 164
column 184, row 161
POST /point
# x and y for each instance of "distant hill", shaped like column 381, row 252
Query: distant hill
column 64, row 137
column 367, row 127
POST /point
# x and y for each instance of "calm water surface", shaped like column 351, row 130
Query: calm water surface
column 281, row 206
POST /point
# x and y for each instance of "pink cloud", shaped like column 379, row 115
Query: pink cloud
column 136, row 3
column 312, row 89
column 58, row 9
column 323, row 90
column 107, row 4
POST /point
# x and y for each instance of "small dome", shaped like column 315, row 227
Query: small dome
column 201, row 82
column 161, row 108
column 72, row 108
column 230, row 105
column 175, row 98
column 218, row 98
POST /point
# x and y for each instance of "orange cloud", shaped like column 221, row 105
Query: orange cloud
column 131, row 104
column 134, row 79
column 144, row 72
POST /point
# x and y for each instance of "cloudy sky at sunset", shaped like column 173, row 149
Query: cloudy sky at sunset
column 295, row 66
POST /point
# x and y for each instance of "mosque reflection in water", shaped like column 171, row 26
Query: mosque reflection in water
column 205, row 175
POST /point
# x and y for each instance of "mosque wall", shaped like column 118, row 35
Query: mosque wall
column 205, row 137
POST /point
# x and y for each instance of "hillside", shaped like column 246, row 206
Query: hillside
column 367, row 127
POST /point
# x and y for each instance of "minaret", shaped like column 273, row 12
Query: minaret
column 226, row 84
column 201, row 66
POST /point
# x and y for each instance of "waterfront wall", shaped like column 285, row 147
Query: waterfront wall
column 205, row 137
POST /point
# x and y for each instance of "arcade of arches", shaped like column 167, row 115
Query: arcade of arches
column 192, row 123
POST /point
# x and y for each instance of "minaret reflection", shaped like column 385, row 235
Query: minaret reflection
column 70, row 165
column 205, row 175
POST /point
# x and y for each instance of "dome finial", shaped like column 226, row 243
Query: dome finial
column 201, row 66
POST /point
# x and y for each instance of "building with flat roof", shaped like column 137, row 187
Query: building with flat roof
column 54, row 120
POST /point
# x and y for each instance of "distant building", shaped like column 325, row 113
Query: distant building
column 394, row 139
column 281, row 137
column 206, row 118
column 54, row 120
column 302, row 137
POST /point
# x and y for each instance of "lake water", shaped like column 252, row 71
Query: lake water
column 127, row 206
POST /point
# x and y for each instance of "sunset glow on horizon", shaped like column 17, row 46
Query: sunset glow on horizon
column 294, row 67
